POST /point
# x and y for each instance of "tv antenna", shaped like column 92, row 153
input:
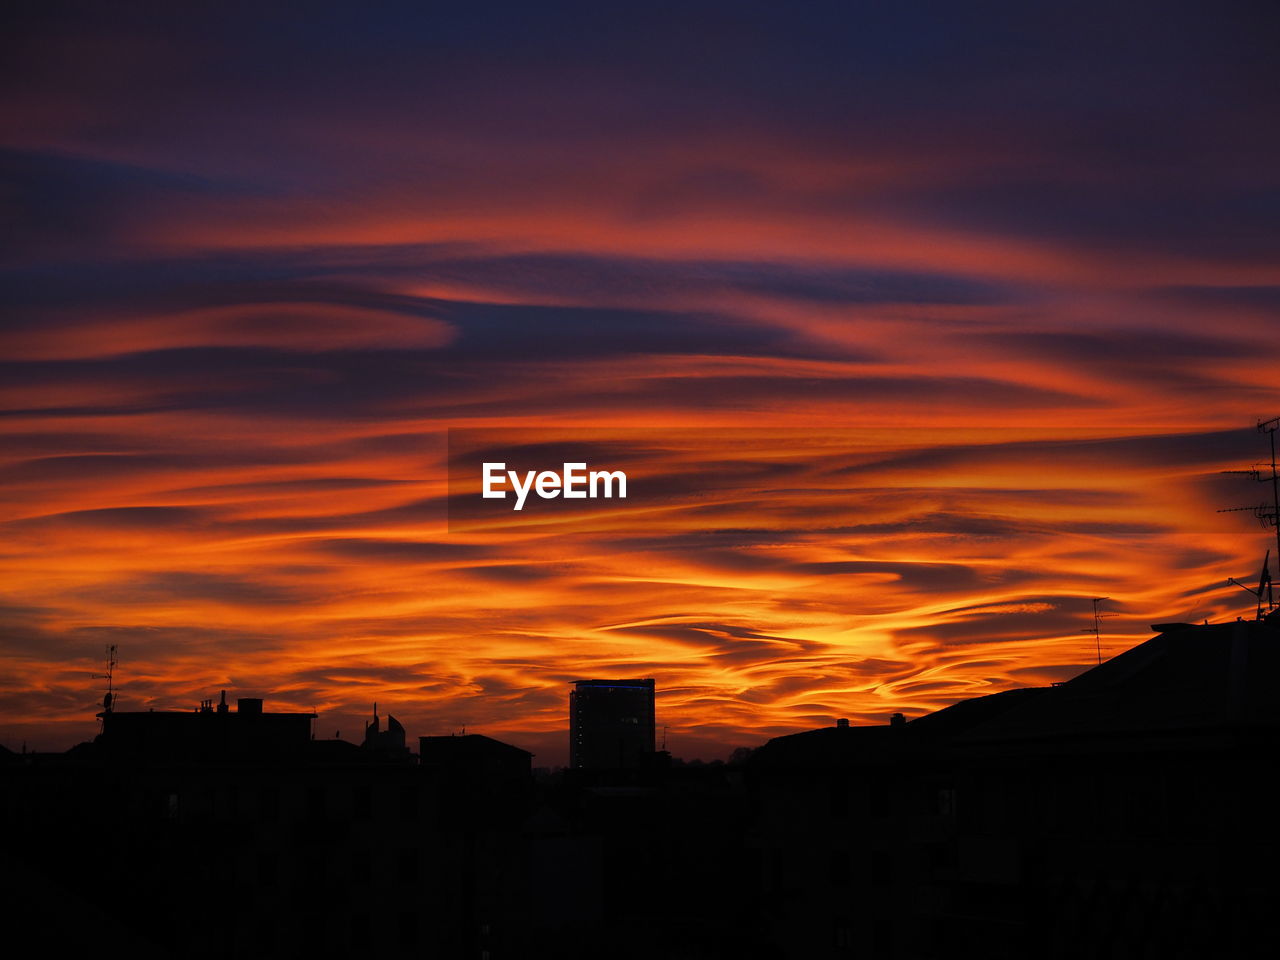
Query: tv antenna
column 1264, row 587
column 109, row 700
column 1096, row 629
column 1268, row 515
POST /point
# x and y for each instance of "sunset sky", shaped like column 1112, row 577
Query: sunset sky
column 921, row 325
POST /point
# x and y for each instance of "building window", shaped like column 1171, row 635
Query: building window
column 844, row 935
column 947, row 802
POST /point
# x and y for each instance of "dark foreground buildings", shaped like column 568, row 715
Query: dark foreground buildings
column 1125, row 813
column 611, row 724
column 208, row 734
column 257, row 841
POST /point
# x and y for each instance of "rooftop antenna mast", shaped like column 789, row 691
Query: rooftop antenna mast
column 1269, row 428
column 1096, row 629
column 1268, row 515
column 109, row 700
column 1264, row 587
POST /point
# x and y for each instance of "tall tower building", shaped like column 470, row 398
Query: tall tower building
column 610, row 723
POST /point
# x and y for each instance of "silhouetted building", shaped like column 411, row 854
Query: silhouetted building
column 388, row 743
column 479, row 763
column 1121, row 813
column 611, row 724
column 230, row 833
column 641, row 863
column 481, row 792
column 208, row 732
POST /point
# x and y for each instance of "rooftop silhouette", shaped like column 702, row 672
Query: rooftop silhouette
column 1128, row 798
column 208, row 732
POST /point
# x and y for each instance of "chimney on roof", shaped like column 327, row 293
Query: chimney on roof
column 222, row 704
column 842, row 722
column 898, row 720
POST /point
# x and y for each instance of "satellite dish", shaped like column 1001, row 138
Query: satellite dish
column 106, row 702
